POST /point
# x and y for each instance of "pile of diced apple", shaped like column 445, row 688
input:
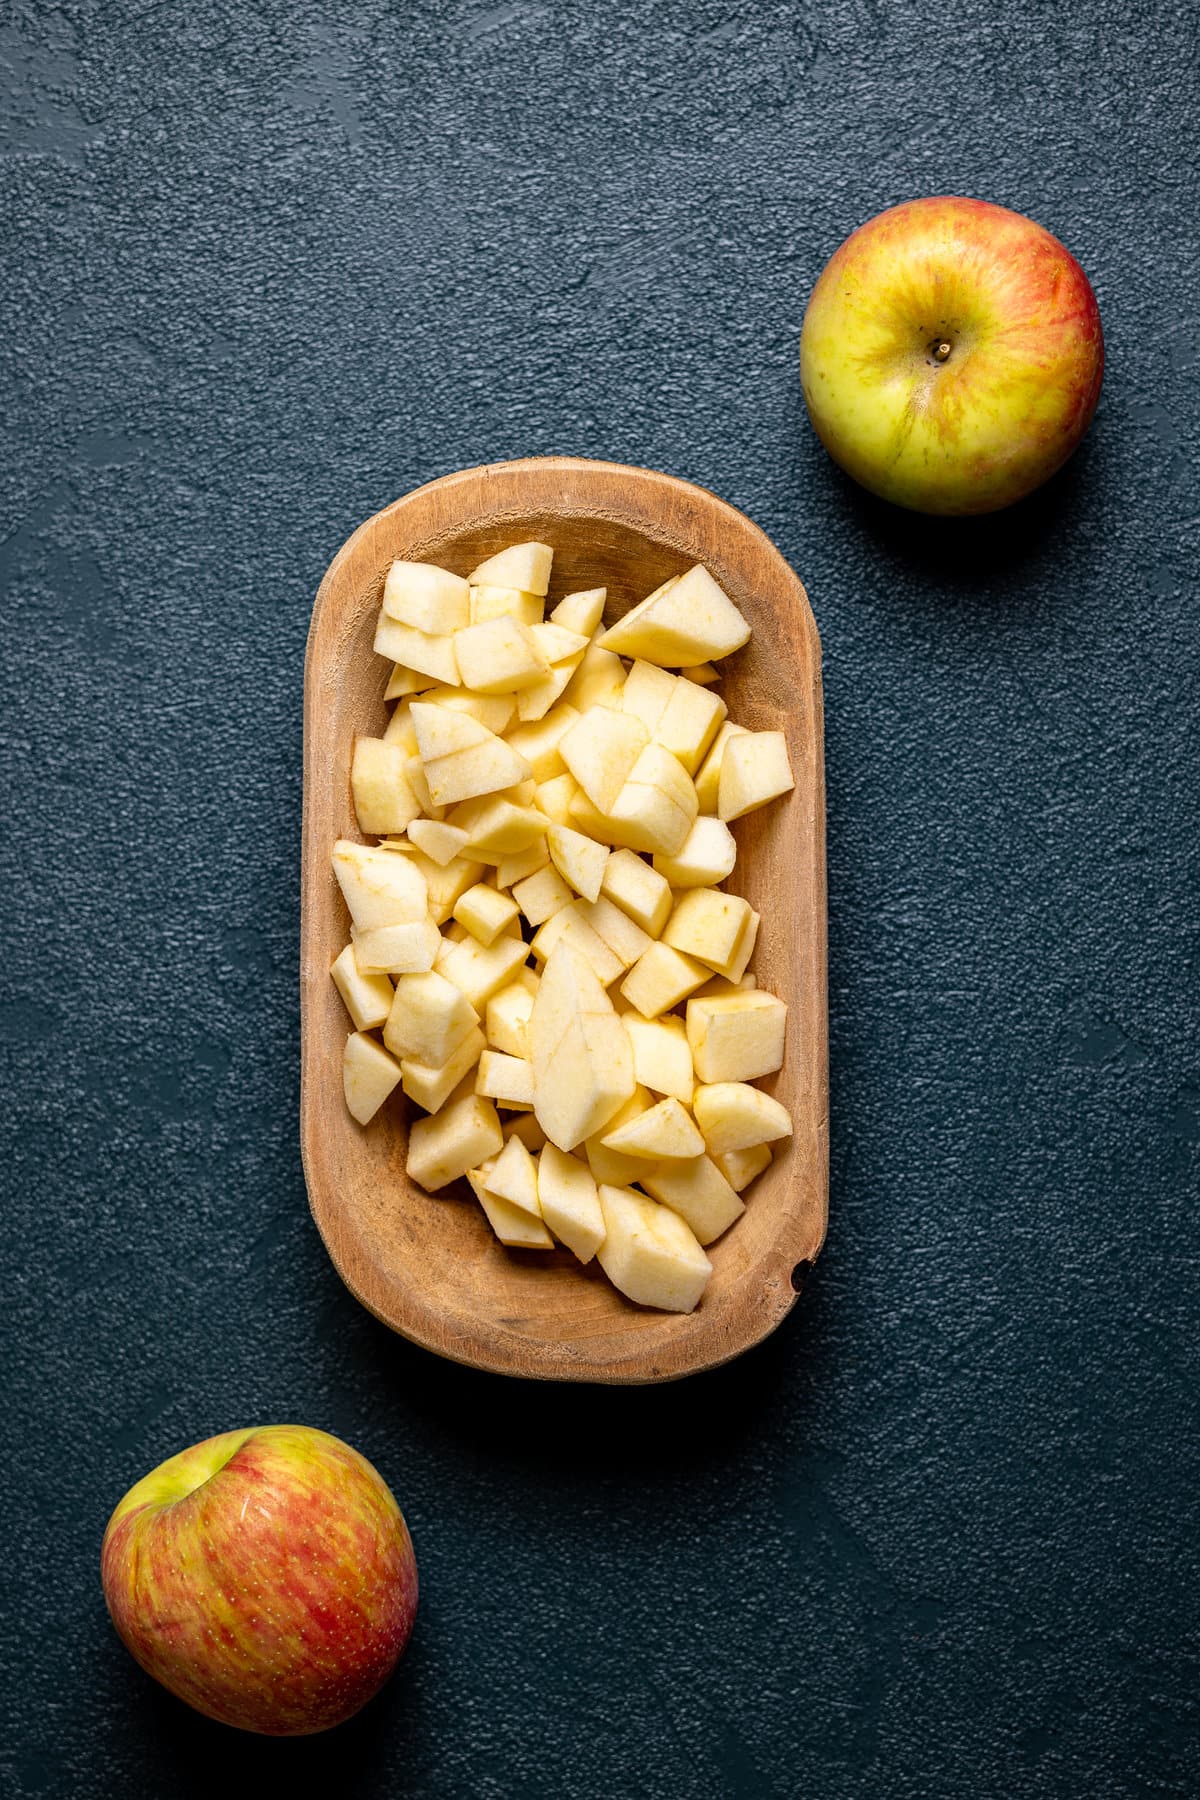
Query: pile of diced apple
column 541, row 932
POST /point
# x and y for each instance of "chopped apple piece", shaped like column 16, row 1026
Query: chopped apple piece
column 657, row 805
column 569, row 1201
column 428, row 1019
column 395, row 949
column 660, row 979
column 432, row 1086
column 541, row 895
column 522, row 863
column 440, row 842
column 600, row 749
column 368, row 1076
column 537, row 743
column 507, row 1024
column 662, row 1059
column 703, row 674
column 496, row 828
column 638, row 890
column 613, row 1166
column 536, row 700
column 754, row 769
column 460, row 1137
column 738, row 966
column 710, row 926
column 524, row 566
column 491, row 602
column 578, row 859
column 400, row 729
column 485, row 912
column 570, row 925
column 379, row 887
column 698, row 1192
column 427, row 652
column 516, row 1229
column 462, row 758
column 741, row 1167
column 508, row 1080
column 443, row 884
column 367, row 998
column 691, row 721
column 705, row 858
column 479, row 971
column 496, row 711
column 406, row 681
column 499, row 656
column 737, row 1037
column 557, row 644
column 647, row 693
column 582, row 1063
column 514, row 1177
column 426, row 597
column 662, row 1132
column 734, row 1116
column 554, row 798
column 626, row 940
column 649, row 1254
column 686, row 621
column 581, row 612
column 708, row 781
column 598, row 681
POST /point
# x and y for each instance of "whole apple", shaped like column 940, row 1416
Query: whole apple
column 265, row 1576
column 951, row 355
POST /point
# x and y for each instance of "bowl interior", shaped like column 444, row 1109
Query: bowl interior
column 430, row 1265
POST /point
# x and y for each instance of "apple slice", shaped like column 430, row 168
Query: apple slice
column 661, row 978
column 461, row 757
column 395, row 949
column 600, row 749
column 491, row 602
column 741, row 1167
column 428, row 1018
column 368, row 1076
column 656, row 808
column 382, row 793
column 578, row 859
column 429, row 653
column 440, row 842
column 699, row 1192
column 662, row 1059
column 736, row 1037
column 507, row 1021
column 514, row 1177
column 663, row 1132
column 517, row 1230
column 581, row 612
column 687, row 620
column 485, row 912
column 367, row 998
column 508, row 1080
column 569, row 1201
column 432, row 1086
column 649, row 1254
column 638, row 890
column 704, row 859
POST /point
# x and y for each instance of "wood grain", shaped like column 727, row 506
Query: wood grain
column 429, row 1266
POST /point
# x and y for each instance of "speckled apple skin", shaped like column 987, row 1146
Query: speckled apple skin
column 1020, row 385
column 265, row 1576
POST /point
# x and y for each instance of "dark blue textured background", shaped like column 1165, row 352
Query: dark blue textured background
column 271, row 265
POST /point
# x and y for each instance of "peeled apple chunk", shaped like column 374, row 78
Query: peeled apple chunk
column 734, row 1116
column 569, row 1201
column 663, row 1131
column 736, row 1037
column 514, row 1177
column 426, row 597
column 383, row 795
column 379, row 887
column 368, row 1076
column 754, row 769
column 649, row 1254
column 699, row 1192
column 582, row 1062
column 445, row 1146
column 499, row 656
column 515, row 1228
column 367, row 998
column 657, row 807
column 600, row 750
column 428, row 1018
column 524, row 566
column 687, row 620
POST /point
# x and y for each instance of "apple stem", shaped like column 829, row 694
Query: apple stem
column 940, row 349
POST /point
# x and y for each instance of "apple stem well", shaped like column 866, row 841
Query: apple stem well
column 939, row 350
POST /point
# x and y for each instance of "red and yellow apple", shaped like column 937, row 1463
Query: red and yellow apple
column 265, row 1576
column 951, row 355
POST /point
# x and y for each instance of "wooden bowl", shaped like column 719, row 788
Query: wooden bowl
column 429, row 1266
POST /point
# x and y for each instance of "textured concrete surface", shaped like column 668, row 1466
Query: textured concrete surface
column 270, row 265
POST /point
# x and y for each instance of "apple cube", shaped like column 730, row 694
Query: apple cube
column 496, row 711
column 461, row 757
column 428, row 1019
column 554, row 797
column 734, row 1116
column 489, row 601
column 703, row 674
column 705, row 858
column 569, row 925
column 754, row 769
column 524, row 566
column 541, row 895
column 379, row 887
column 460, row 1137
column 507, row 1022
column 404, row 681
column 508, row 1080
column 522, row 863
column 600, row 749
column 649, row 1254
column 638, row 890
column 514, row 1177
column 558, row 644
column 647, row 693
column 424, row 596
column 440, row 842
column 614, row 1166
column 709, row 925
column 690, row 722
column 656, row 808
column 485, row 912
column 431, row 1087
column 662, row 1059
column 660, row 979
column 400, row 729
column 499, row 656
column 395, row 949
column 516, row 1229
column 582, row 1063
column 708, row 781
column 738, row 1037
column 497, row 828
column 443, row 885
column 368, row 1076
column 537, row 743
column 569, row 1201
column 626, row 940
column 578, row 859
column 581, row 612
column 429, row 653
column 737, row 968
column 741, row 1167
column 698, row 1192
column 367, row 998
column 687, row 620
column 663, row 1132
column 479, row 970
column 598, row 681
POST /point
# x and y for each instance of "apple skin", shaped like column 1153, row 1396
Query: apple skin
column 1017, row 391
column 266, row 1577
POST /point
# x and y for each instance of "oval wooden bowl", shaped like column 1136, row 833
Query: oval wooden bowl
column 430, row 1267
